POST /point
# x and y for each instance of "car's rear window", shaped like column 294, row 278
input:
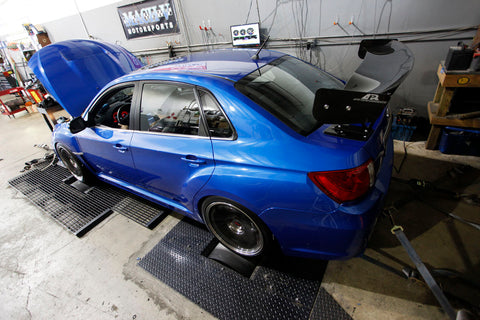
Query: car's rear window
column 286, row 88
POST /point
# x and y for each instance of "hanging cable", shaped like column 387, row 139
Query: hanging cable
column 182, row 15
column 83, row 21
column 258, row 11
column 277, row 2
column 381, row 16
column 249, row 10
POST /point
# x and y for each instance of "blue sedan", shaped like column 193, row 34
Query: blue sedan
column 228, row 138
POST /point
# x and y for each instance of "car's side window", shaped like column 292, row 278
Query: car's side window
column 169, row 108
column 113, row 110
column 217, row 123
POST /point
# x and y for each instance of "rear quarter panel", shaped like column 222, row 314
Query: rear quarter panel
column 267, row 164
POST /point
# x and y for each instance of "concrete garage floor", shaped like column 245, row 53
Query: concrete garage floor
column 48, row 273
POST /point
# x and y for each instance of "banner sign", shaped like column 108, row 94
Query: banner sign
column 148, row 18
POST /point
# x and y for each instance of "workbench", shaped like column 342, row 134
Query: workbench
column 440, row 106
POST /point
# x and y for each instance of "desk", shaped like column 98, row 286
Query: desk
column 439, row 107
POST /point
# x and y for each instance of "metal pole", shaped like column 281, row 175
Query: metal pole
column 430, row 281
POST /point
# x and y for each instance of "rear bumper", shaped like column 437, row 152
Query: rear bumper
column 340, row 234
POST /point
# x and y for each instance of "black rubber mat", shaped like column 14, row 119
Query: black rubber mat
column 177, row 260
column 80, row 211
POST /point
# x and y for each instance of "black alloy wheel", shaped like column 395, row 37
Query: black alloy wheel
column 236, row 227
column 73, row 164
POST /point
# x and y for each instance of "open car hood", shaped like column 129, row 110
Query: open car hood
column 74, row 71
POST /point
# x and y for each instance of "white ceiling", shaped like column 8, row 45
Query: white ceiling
column 17, row 12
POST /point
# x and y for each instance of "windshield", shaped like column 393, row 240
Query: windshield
column 286, row 88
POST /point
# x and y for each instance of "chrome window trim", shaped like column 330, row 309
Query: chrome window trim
column 141, row 85
column 170, row 134
column 102, row 126
column 118, row 86
column 196, row 89
column 234, row 135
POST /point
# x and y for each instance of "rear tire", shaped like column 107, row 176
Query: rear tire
column 236, row 227
column 73, row 164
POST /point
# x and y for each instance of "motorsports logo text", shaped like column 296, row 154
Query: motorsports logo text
column 148, row 18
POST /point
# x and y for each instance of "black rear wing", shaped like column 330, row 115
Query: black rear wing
column 335, row 106
column 386, row 63
column 351, row 113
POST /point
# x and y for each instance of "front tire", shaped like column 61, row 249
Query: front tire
column 73, row 164
column 236, row 227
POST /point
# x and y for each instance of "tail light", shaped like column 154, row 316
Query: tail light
column 345, row 185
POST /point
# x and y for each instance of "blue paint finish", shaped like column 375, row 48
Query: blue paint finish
column 108, row 151
column 74, row 71
column 147, row 195
column 175, row 167
column 340, row 233
column 264, row 167
column 232, row 64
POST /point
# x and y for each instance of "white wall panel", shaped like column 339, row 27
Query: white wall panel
column 62, row 21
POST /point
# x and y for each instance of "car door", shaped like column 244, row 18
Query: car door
column 171, row 150
column 105, row 143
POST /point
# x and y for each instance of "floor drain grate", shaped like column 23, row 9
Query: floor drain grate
column 78, row 211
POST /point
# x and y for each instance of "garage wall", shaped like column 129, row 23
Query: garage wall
column 334, row 47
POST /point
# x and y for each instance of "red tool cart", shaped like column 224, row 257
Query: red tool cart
column 13, row 101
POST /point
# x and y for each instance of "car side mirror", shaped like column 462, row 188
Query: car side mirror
column 77, row 124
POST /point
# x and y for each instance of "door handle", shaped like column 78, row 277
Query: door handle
column 193, row 159
column 120, row 148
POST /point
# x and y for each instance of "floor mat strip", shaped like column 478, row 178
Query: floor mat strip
column 268, row 293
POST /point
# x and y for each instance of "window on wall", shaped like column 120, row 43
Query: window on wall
column 169, row 108
column 218, row 125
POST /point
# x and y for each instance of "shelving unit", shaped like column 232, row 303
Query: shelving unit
column 439, row 107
